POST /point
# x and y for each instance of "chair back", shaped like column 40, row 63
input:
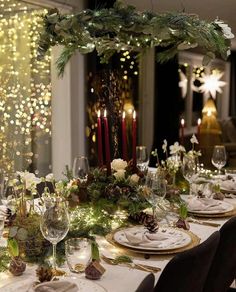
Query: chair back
column 187, row 271
column 147, row 284
column 223, row 269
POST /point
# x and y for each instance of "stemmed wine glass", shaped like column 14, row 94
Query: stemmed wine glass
column 190, row 170
column 81, row 168
column 54, row 224
column 156, row 190
column 142, row 157
column 219, row 157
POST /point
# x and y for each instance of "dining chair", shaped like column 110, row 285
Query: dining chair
column 147, row 284
column 187, row 271
column 223, row 269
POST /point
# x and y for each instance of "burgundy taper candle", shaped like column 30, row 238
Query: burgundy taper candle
column 134, row 137
column 100, row 152
column 124, row 138
column 107, row 144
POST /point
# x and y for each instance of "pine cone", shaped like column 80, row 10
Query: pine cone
column 44, row 274
column 17, row 266
column 147, row 220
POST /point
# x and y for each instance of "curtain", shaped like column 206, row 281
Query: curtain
column 232, row 100
column 166, row 107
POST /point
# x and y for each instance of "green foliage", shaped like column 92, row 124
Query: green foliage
column 123, row 28
column 122, row 259
column 94, row 250
column 4, row 258
column 13, row 247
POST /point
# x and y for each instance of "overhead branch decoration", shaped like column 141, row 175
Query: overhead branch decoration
column 123, row 28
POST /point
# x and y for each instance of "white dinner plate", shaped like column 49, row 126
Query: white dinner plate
column 176, row 238
column 227, row 207
column 84, row 285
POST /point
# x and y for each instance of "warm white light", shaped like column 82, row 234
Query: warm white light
column 123, row 115
column 105, row 113
column 182, row 122
column 134, row 115
column 209, row 113
column 99, row 113
column 199, row 121
column 212, row 83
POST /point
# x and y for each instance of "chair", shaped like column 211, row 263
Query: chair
column 223, row 268
column 187, row 271
column 147, row 284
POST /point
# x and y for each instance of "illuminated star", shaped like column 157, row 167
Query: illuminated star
column 212, row 83
column 183, row 84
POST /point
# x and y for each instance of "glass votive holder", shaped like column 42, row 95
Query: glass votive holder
column 78, row 254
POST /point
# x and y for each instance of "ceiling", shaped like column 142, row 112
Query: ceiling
column 208, row 9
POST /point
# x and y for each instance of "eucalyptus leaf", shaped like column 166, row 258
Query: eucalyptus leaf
column 22, row 234
column 13, row 231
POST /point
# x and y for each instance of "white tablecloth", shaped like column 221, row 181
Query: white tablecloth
column 117, row 278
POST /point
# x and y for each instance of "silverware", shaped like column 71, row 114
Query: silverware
column 132, row 265
column 207, row 223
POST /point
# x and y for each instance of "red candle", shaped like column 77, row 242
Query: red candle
column 182, row 123
column 107, row 144
column 124, row 138
column 100, row 156
column 134, row 137
column 199, row 121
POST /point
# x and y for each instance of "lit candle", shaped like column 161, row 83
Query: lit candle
column 134, row 136
column 124, row 138
column 182, row 123
column 107, row 144
column 199, row 121
column 100, row 155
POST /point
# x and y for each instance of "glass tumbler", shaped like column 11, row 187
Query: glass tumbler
column 78, row 254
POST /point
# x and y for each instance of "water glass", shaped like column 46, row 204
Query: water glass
column 219, row 157
column 190, row 170
column 81, row 168
column 156, row 190
column 2, row 219
column 78, row 254
column 54, row 225
column 142, row 158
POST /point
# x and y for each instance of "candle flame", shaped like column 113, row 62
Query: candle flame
column 134, row 115
column 99, row 113
column 182, row 122
column 105, row 113
column 199, row 121
column 123, row 115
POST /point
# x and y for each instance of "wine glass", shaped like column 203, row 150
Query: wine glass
column 156, row 190
column 142, row 157
column 54, row 224
column 190, row 170
column 219, row 157
column 81, row 168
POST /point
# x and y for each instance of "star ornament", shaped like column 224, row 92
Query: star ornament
column 211, row 83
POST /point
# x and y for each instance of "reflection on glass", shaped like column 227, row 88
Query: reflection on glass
column 142, row 157
column 81, row 168
column 219, row 157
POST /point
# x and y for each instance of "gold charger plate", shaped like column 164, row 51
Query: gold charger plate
column 195, row 240
column 218, row 215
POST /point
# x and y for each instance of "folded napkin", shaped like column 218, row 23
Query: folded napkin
column 228, row 185
column 3, row 211
column 57, row 286
column 205, row 204
column 155, row 240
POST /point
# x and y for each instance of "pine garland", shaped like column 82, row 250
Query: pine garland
column 123, row 28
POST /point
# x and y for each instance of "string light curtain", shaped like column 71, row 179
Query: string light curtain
column 25, row 91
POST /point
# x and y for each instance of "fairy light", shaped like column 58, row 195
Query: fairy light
column 25, row 89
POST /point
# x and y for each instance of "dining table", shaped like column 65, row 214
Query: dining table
column 117, row 278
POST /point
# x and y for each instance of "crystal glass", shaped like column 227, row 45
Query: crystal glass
column 3, row 187
column 190, row 170
column 219, row 157
column 81, row 168
column 54, row 224
column 156, row 190
column 142, row 158
column 78, row 254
